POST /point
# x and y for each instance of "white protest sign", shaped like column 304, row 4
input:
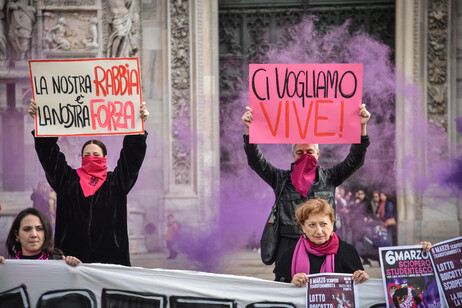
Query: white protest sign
column 80, row 97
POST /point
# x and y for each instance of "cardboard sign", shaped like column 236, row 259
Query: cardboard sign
column 305, row 103
column 87, row 96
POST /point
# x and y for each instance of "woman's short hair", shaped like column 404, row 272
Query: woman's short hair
column 314, row 206
column 14, row 246
column 98, row 143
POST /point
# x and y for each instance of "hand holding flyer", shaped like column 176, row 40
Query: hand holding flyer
column 331, row 290
column 447, row 259
column 408, row 277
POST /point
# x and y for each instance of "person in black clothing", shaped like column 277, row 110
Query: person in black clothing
column 91, row 215
column 319, row 249
column 305, row 180
column 31, row 237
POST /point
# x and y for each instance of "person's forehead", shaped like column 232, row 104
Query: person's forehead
column 304, row 146
column 30, row 220
column 92, row 148
column 318, row 217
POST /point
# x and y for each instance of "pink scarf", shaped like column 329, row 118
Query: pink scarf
column 301, row 259
column 381, row 210
column 304, row 173
column 92, row 174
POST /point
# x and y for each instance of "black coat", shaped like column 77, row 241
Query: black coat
column 326, row 180
column 346, row 261
column 93, row 228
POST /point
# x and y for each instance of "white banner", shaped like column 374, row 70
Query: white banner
column 52, row 283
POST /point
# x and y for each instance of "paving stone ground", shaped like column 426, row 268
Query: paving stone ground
column 242, row 263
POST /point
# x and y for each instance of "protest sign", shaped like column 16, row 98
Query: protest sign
column 87, row 96
column 331, row 290
column 305, row 103
column 56, row 284
column 408, row 277
column 447, row 261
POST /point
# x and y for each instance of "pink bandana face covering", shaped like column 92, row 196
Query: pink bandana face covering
column 304, row 173
column 92, row 174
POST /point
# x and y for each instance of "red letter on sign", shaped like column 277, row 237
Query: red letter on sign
column 317, row 118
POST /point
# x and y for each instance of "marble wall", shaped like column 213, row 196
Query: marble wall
column 175, row 41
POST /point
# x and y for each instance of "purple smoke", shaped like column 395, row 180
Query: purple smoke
column 459, row 125
column 245, row 198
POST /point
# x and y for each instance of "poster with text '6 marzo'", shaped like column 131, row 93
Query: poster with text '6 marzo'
column 408, row 277
column 447, row 261
column 79, row 97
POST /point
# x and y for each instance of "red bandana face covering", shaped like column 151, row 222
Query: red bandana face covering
column 304, row 173
column 92, row 174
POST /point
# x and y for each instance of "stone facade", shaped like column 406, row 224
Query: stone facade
column 177, row 44
column 425, row 54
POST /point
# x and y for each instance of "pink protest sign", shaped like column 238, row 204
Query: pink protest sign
column 305, row 103
column 77, row 97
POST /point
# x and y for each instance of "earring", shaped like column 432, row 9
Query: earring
column 304, row 235
column 17, row 241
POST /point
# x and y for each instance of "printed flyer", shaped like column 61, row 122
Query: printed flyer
column 330, row 291
column 408, row 277
column 447, row 261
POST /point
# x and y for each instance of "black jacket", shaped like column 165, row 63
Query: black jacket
column 323, row 186
column 93, row 228
column 346, row 261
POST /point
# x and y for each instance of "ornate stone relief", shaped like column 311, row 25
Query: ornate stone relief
column 3, row 40
column 65, row 31
column 257, row 25
column 181, row 91
column 81, row 28
column 437, row 49
column 416, row 69
column 124, row 27
column 21, row 20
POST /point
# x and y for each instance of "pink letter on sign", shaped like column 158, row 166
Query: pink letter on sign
column 305, row 103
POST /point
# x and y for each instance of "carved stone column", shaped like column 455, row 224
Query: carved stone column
column 422, row 36
column 12, row 116
column 455, row 98
column 409, row 59
column 192, row 162
column 440, row 209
